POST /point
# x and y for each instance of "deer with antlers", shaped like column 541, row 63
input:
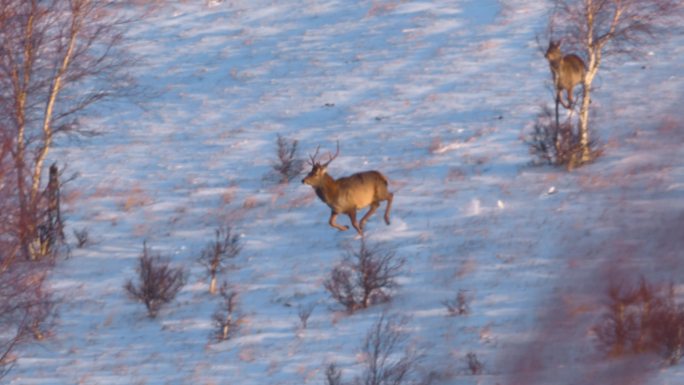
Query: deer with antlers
column 568, row 71
column 348, row 194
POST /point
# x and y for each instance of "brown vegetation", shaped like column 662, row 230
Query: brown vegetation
column 225, row 247
column 641, row 319
column 364, row 277
column 158, row 282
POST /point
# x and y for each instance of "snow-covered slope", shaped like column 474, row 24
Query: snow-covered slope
column 436, row 95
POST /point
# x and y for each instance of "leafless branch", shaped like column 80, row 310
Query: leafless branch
column 364, row 277
column 389, row 360
column 225, row 247
column 158, row 282
column 225, row 319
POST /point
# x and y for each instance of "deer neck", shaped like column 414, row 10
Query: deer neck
column 555, row 63
column 328, row 189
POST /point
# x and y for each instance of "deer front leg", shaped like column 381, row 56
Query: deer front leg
column 390, row 197
column 374, row 206
column 352, row 217
column 333, row 216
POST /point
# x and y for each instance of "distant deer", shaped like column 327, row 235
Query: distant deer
column 568, row 71
column 348, row 194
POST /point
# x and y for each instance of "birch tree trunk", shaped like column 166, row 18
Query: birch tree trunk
column 55, row 88
column 584, row 112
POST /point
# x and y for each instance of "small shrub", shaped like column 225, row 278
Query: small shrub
column 304, row 312
column 667, row 325
column 625, row 323
column 364, row 277
column 158, row 282
column 226, row 246
column 556, row 143
column 81, row 237
column 474, row 366
column 333, row 375
column 287, row 166
column 459, row 305
column 642, row 319
column 224, row 318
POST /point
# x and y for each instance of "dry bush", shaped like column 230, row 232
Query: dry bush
column 473, row 364
column 333, row 375
column 641, row 319
column 81, row 237
column 460, row 305
column 667, row 328
column 158, row 282
column 224, row 319
column 364, row 277
column 226, row 246
column 556, row 143
column 304, row 312
column 389, row 358
column 287, row 166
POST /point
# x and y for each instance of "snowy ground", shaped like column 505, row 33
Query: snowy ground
column 435, row 94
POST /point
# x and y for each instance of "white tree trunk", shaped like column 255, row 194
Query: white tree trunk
column 584, row 118
column 212, row 285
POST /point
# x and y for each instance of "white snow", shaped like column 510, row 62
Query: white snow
column 436, row 95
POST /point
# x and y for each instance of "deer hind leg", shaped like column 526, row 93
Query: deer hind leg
column 333, row 216
column 571, row 102
column 559, row 98
column 352, row 217
column 390, row 196
column 374, row 206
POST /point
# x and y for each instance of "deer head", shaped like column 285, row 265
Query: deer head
column 318, row 170
column 553, row 53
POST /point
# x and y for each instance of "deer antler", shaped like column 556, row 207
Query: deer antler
column 313, row 157
column 332, row 157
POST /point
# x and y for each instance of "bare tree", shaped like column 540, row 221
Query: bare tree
column 57, row 58
column 364, row 277
column 26, row 305
column 224, row 319
column 389, row 359
column 214, row 256
column 598, row 28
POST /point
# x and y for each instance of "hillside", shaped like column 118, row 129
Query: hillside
column 438, row 96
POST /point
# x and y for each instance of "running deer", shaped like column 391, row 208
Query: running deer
column 567, row 70
column 348, row 194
